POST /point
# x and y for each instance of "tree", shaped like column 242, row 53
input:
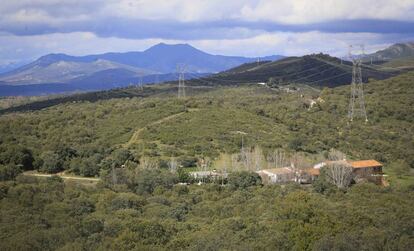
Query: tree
column 172, row 165
column 335, row 155
column 322, row 185
column 144, row 181
column 18, row 155
column 299, row 162
column 276, row 158
column 258, row 158
column 296, row 144
column 339, row 173
column 244, row 179
column 147, row 163
column 251, row 159
column 9, row 172
column 120, row 156
column 89, row 167
column 51, row 162
column 65, row 154
column 127, row 201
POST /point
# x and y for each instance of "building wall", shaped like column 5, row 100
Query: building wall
column 371, row 174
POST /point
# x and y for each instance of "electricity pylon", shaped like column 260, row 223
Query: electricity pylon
column 357, row 102
column 141, row 86
column 181, row 68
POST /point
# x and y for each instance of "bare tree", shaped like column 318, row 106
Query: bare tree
column 246, row 158
column 235, row 163
column 172, row 165
column 299, row 162
column 335, row 155
column 276, row 158
column 339, row 173
column 251, row 158
column 147, row 163
column 257, row 158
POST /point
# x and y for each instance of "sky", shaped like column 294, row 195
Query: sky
column 32, row 28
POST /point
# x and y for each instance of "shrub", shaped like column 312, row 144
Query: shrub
column 244, row 179
column 9, row 172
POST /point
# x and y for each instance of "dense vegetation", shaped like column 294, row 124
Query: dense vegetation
column 85, row 137
column 147, row 212
column 126, row 137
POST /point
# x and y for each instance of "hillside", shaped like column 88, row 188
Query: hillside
column 205, row 124
column 316, row 70
column 395, row 51
column 128, row 139
column 44, row 71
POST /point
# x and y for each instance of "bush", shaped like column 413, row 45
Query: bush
column 145, row 181
column 244, row 179
column 9, row 172
column 400, row 168
column 17, row 155
column 127, row 201
column 51, row 162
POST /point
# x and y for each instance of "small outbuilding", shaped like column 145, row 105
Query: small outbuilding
column 277, row 175
column 371, row 170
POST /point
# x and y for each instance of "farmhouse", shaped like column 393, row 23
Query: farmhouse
column 277, row 175
column 371, row 170
column 309, row 175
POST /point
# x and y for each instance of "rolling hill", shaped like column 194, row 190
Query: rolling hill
column 316, row 70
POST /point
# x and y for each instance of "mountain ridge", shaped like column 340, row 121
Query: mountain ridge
column 162, row 59
column 316, row 69
column 395, row 51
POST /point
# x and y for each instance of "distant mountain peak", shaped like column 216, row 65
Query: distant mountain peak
column 171, row 47
column 398, row 50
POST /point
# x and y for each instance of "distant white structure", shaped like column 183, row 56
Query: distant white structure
column 261, row 83
column 207, row 174
column 319, row 165
column 277, row 175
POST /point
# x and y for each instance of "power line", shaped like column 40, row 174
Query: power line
column 330, row 67
column 336, row 76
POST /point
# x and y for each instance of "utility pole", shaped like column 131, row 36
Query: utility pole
column 181, row 80
column 140, row 86
column 357, row 102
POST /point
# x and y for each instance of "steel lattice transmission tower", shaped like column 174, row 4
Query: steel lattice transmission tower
column 181, row 68
column 357, row 102
column 141, row 85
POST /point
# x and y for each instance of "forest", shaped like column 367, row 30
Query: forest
column 140, row 203
column 146, row 211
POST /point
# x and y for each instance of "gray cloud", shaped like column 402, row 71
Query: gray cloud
column 31, row 28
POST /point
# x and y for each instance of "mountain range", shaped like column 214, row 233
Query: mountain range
column 57, row 73
column 62, row 73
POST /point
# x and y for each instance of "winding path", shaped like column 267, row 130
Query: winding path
column 63, row 176
column 135, row 137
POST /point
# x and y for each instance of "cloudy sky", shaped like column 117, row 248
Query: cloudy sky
column 32, row 28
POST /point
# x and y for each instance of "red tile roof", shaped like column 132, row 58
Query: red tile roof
column 365, row 163
column 312, row 171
